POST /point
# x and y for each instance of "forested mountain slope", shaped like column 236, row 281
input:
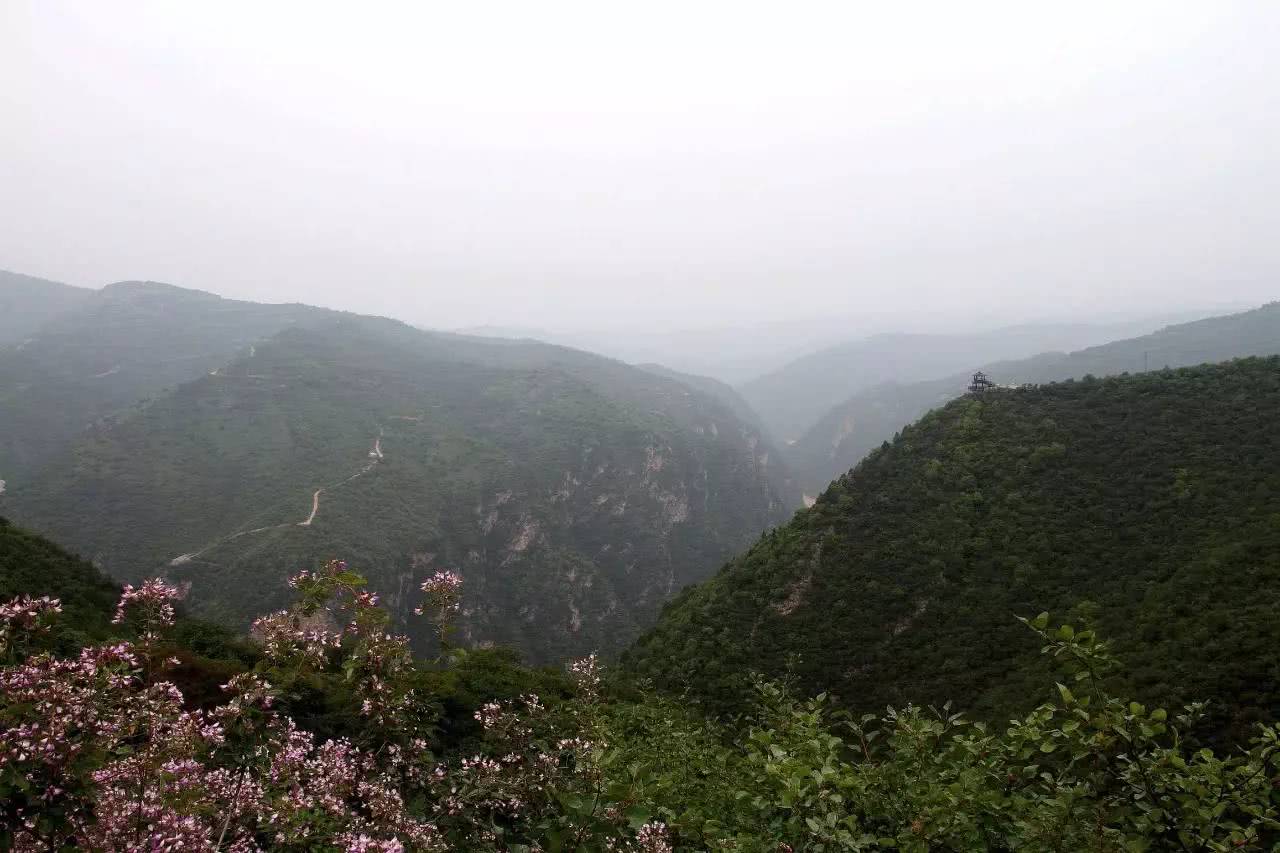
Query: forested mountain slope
column 847, row 432
column 123, row 344
column 573, row 493
column 792, row 398
column 32, row 565
column 27, row 303
column 1147, row 504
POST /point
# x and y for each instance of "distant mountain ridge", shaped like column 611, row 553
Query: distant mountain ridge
column 792, row 398
column 573, row 492
column 726, row 354
column 115, row 348
column 722, row 391
column 850, row 430
column 27, row 303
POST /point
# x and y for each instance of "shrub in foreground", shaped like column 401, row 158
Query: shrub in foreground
column 101, row 751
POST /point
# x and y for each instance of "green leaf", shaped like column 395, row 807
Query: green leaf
column 638, row 816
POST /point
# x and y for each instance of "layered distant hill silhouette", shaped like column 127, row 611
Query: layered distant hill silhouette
column 850, row 430
column 792, row 398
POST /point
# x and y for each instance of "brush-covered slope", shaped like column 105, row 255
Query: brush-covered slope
column 849, row 431
column 1148, row 504
column 125, row 343
column 27, row 303
column 573, row 492
column 32, row 565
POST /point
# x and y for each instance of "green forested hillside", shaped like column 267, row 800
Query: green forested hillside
column 1147, row 504
column 32, row 565
column 849, row 431
column 574, row 493
column 27, row 303
column 125, row 343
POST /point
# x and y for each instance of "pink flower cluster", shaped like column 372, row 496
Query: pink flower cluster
column 29, row 613
column 284, row 639
column 506, row 723
column 25, row 616
column 653, row 838
column 586, row 675
column 128, row 768
column 99, row 755
column 443, row 590
column 154, row 600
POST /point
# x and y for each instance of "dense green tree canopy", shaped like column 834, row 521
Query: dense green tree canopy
column 1148, row 505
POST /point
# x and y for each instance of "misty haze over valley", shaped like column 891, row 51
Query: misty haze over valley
column 575, row 427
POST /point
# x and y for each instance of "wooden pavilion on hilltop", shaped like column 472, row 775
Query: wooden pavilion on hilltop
column 980, row 384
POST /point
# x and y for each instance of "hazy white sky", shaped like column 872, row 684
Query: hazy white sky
column 676, row 164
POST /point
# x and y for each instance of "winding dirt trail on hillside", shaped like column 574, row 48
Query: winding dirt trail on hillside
column 375, row 456
column 315, row 507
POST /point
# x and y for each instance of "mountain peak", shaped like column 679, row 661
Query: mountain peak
column 157, row 288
